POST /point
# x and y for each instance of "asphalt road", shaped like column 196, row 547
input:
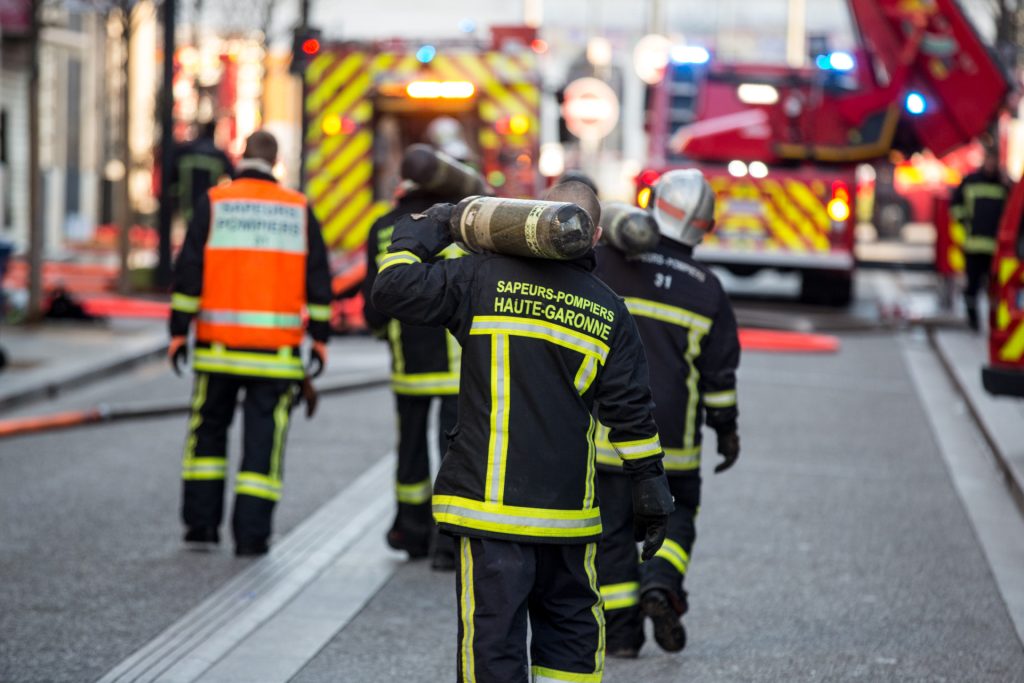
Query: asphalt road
column 836, row 550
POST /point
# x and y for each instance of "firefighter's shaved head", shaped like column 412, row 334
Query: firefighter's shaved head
column 579, row 194
column 261, row 145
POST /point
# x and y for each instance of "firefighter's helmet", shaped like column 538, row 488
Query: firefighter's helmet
column 683, row 205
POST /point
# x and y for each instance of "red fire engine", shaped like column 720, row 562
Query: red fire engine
column 780, row 145
column 1005, row 373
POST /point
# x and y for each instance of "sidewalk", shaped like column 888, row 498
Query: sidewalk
column 1001, row 418
column 46, row 359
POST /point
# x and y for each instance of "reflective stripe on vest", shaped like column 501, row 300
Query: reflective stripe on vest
column 254, row 273
column 282, row 365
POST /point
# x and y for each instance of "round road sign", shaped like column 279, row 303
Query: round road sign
column 590, row 108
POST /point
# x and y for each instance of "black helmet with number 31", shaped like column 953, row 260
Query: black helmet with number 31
column 683, row 205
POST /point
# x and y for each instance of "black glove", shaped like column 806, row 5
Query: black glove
column 317, row 359
column 424, row 234
column 306, row 393
column 177, row 353
column 652, row 504
column 729, row 448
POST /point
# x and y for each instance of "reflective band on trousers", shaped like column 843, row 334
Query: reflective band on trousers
column 522, row 521
column 620, row 595
column 204, row 469
column 264, row 319
column 539, row 329
column 674, row 554
column 544, row 675
column 258, row 485
column 413, row 494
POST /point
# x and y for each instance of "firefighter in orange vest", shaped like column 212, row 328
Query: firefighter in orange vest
column 252, row 261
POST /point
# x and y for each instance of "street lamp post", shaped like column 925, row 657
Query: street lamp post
column 163, row 268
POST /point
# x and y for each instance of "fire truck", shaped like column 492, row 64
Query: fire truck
column 1005, row 373
column 365, row 102
column 780, row 145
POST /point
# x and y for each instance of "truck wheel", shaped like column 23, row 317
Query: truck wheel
column 826, row 288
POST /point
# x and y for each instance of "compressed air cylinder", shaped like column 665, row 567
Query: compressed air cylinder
column 629, row 229
column 523, row 227
column 439, row 173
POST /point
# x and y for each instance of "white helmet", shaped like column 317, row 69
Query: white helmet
column 683, row 205
column 447, row 135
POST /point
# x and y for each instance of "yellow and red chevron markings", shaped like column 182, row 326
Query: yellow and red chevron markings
column 340, row 86
column 771, row 215
column 1007, row 339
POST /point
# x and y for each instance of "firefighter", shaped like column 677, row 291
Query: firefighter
column 689, row 333
column 517, row 486
column 424, row 365
column 253, row 258
column 198, row 166
column 978, row 205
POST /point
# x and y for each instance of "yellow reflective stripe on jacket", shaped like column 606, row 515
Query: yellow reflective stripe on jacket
column 620, row 595
column 975, row 191
column 545, row 675
column 258, row 486
column 669, row 314
column 204, row 469
column 674, row 554
column 283, row 365
column 425, row 383
column 399, row 257
column 413, row 494
column 979, row 244
column 540, row 329
column 634, row 450
column 720, row 399
column 586, row 374
column 318, row 312
column 514, row 520
column 184, row 303
column 497, row 443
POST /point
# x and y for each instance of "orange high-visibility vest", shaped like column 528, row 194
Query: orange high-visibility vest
column 254, row 272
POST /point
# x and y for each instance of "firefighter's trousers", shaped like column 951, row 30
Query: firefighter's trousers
column 623, row 579
column 976, row 269
column 413, row 486
column 501, row 584
column 266, row 410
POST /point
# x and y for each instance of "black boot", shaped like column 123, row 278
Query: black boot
column 202, row 538
column 411, row 530
column 666, row 611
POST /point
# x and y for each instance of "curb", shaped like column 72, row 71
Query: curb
column 134, row 411
column 100, row 370
column 1012, row 475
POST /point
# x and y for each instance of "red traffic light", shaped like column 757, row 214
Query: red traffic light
column 311, row 46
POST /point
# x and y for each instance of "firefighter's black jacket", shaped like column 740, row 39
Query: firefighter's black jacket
column 542, row 341
column 689, row 334
column 198, row 165
column 424, row 360
column 188, row 270
column 978, row 204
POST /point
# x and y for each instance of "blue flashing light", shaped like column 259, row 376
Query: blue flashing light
column 467, row 25
column 426, row 54
column 916, row 104
column 689, row 54
column 841, row 61
column 835, row 61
